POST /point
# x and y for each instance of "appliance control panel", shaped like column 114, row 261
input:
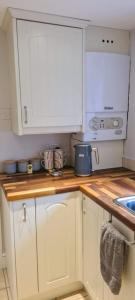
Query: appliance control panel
column 98, row 123
column 105, row 126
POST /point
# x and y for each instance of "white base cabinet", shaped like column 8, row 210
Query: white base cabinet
column 128, row 281
column 25, row 248
column 93, row 217
column 41, row 241
column 92, row 220
column 52, row 250
column 56, row 240
column 20, row 244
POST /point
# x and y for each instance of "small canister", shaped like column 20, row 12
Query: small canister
column 36, row 165
column 9, row 166
column 22, row 166
column 58, row 158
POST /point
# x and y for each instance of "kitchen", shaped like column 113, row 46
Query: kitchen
column 26, row 249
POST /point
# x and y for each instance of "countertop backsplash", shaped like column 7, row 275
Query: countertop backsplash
column 25, row 147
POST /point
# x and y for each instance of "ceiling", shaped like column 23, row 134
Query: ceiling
column 109, row 13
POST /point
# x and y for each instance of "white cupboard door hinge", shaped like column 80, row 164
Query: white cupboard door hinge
column 84, row 211
column 83, row 205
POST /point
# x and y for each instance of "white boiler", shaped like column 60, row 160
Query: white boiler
column 106, row 105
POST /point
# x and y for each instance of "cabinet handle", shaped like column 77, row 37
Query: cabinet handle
column 25, row 115
column 24, row 212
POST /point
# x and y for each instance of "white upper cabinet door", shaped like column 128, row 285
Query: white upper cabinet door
column 25, row 248
column 107, row 80
column 56, row 240
column 51, row 74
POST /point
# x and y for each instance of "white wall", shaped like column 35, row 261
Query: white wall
column 110, row 154
column 4, row 87
column 129, row 146
column 18, row 147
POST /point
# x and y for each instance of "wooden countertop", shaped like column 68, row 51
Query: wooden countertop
column 104, row 193
column 28, row 186
column 102, row 187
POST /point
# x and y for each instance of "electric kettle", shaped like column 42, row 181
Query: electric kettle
column 83, row 159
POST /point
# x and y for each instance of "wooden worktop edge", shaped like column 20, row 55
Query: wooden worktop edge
column 120, row 213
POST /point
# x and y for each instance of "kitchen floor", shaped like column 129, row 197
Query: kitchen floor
column 5, row 290
column 79, row 295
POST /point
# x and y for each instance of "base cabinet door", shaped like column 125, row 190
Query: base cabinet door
column 56, row 240
column 93, row 217
column 25, row 248
column 92, row 221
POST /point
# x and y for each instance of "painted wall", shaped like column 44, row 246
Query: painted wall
column 110, row 154
column 129, row 145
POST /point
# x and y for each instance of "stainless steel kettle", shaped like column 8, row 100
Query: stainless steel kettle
column 83, row 159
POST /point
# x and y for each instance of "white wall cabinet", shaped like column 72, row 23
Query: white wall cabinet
column 50, row 64
column 41, row 241
column 47, row 77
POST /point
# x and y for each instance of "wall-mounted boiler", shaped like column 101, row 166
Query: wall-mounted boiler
column 107, row 83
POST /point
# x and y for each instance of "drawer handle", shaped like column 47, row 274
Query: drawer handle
column 25, row 115
column 24, row 219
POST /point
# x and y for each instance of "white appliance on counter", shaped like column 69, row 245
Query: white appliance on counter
column 107, row 83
